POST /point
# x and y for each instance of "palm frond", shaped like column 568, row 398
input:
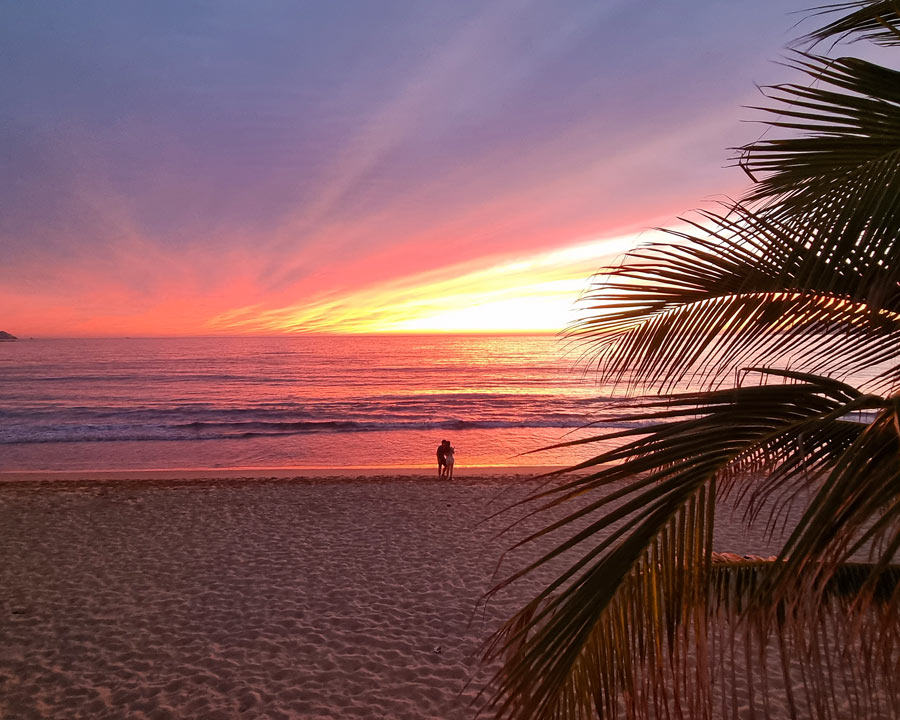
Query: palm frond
column 625, row 611
column 834, row 179
column 856, row 509
column 742, row 288
column 823, row 669
column 841, row 157
column 878, row 21
column 645, row 618
column 814, row 273
column 564, row 652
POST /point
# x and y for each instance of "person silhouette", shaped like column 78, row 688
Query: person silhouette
column 442, row 456
column 449, row 461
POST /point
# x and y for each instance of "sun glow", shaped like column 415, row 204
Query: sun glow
column 524, row 313
column 536, row 293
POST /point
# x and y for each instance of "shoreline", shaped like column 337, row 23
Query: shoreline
column 277, row 473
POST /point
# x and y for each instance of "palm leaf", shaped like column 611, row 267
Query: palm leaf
column 640, row 586
column 804, row 274
column 827, row 671
column 840, row 162
column 813, row 274
column 742, row 288
column 857, row 507
column 878, row 21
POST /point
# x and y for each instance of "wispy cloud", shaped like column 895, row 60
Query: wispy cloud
column 387, row 167
column 535, row 292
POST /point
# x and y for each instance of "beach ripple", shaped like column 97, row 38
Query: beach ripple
column 307, row 599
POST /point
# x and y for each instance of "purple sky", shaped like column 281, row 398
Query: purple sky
column 194, row 168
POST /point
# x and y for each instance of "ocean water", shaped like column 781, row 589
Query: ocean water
column 291, row 402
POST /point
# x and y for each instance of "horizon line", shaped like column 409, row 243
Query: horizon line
column 468, row 333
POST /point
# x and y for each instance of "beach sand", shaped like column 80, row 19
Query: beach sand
column 278, row 597
column 247, row 598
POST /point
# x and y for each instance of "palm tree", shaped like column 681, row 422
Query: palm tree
column 784, row 308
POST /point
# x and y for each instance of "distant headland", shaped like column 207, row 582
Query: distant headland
column 5, row 336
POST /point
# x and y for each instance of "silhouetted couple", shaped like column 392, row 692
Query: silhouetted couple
column 445, row 459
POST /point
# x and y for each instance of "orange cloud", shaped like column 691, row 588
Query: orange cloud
column 534, row 293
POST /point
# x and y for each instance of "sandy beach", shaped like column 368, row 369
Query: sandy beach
column 353, row 596
column 327, row 597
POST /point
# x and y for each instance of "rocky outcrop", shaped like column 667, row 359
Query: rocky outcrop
column 6, row 336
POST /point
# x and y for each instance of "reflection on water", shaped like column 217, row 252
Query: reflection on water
column 295, row 401
column 282, row 402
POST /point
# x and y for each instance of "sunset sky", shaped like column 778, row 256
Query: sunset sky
column 193, row 168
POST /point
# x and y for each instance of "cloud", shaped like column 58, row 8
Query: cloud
column 190, row 168
column 531, row 293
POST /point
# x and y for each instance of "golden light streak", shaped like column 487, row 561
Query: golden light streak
column 536, row 293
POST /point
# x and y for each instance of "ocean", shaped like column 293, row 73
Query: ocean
column 291, row 402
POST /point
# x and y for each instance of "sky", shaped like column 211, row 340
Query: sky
column 224, row 167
